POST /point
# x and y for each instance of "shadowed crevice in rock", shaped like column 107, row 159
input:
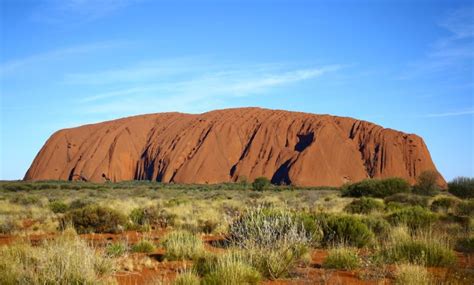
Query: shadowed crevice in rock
column 304, row 141
column 281, row 176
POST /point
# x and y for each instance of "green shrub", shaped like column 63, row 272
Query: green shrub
column 342, row 258
column 465, row 208
column 229, row 269
column 465, row 245
column 144, row 245
column 414, row 217
column 7, row 225
column 407, row 199
column 462, row 187
column 378, row 188
column 96, row 219
column 364, row 206
column 58, row 207
column 424, row 252
column 116, row 249
column 260, row 184
column 187, row 278
column 349, row 230
column 426, row 183
column 207, row 226
column 25, row 199
column 379, row 226
column 80, row 203
column 444, row 204
column 180, row 245
column 152, row 216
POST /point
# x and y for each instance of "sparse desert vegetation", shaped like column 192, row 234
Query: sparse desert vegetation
column 235, row 233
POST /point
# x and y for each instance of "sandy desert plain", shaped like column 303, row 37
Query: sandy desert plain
column 380, row 231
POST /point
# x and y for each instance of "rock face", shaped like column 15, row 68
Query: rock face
column 229, row 145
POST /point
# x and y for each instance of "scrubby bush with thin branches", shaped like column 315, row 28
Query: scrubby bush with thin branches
column 95, row 218
column 276, row 239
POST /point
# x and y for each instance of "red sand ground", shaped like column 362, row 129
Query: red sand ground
column 166, row 271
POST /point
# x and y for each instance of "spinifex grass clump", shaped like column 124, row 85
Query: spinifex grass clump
column 144, row 245
column 64, row 260
column 411, row 274
column 420, row 248
column 342, row 258
column 180, row 245
column 233, row 267
column 274, row 238
column 187, row 278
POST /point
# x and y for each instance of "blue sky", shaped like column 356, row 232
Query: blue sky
column 406, row 65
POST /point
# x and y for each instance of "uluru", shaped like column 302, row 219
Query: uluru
column 232, row 145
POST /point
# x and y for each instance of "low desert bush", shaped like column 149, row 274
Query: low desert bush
column 465, row 244
column 58, row 207
column 411, row 274
column 344, row 229
column 187, row 278
column 378, row 188
column 180, row 245
column 414, row 217
column 465, row 208
column 444, row 204
column 7, row 225
column 378, row 225
column 227, row 269
column 143, row 245
column 342, row 258
column 64, row 260
column 25, row 199
column 462, row 187
column 260, row 184
column 407, row 199
column 364, row 206
column 151, row 216
column 116, row 249
column 96, row 219
column 428, row 252
column 426, row 183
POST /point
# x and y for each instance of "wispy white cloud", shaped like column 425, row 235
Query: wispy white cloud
column 20, row 63
column 58, row 11
column 184, row 91
column 450, row 114
column 452, row 52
